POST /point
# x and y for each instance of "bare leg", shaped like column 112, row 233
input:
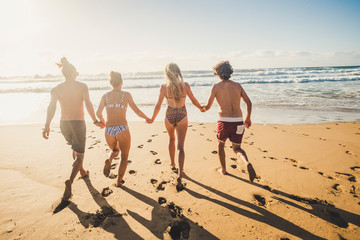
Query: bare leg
column 171, row 131
column 112, row 142
column 83, row 172
column 221, row 153
column 76, row 168
column 242, row 155
column 181, row 130
column 124, row 141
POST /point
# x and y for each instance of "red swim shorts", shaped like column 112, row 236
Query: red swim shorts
column 232, row 130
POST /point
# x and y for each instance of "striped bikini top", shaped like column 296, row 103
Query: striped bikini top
column 115, row 105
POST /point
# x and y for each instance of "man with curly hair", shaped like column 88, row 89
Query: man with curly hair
column 230, row 125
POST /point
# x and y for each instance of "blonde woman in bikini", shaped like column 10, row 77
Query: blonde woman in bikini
column 175, row 91
column 117, row 133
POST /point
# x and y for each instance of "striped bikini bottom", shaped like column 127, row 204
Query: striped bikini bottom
column 175, row 115
column 115, row 130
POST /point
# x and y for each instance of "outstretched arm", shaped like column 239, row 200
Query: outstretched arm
column 101, row 109
column 158, row 104
column 136, row 109
column 246, row 99
column 211, row 99
column 192, row 97
column 50, row 114
column 90, row 108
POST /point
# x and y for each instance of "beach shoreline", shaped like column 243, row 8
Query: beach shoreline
column 307, row 185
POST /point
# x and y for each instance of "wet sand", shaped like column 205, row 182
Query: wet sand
column 307, row 185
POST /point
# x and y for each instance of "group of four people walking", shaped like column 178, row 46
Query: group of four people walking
column 73, row 94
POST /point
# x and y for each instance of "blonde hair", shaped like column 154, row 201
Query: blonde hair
column 175, row 81
column 115, row 79
column 67, row 68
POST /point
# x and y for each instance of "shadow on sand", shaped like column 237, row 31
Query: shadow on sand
column 260, row 214
column 107, row 218
column 161, row 219
column 320, row 208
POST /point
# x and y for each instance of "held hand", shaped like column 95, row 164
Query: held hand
column 100, row 124
column 46, row 132
column 203, row 107
column 247, row 123
column 149, row 121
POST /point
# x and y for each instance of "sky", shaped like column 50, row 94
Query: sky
column 99, row 36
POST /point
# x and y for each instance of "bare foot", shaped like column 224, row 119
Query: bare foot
column 251, row 172
column 175, row 170
column 119, row 184
column 219, row 170
column 67, row 193
column 107, row 167
column 84, row 174
column 179, row 185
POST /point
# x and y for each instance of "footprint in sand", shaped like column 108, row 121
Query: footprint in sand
column 273, row 158
column 337, row 187
column 201, row 134
column 214, row 152
column 179, row 230
column 106, row 192
column 161, row 200
column 154, row 135
column 161, row 186
column 113, row 166
column 129, row 161
column 355, row 168
column 112, row 176
column 234, row 159
column 141, row 146
column 153, row 152
column 265, row 151
column 260, row 200
column 304, row 168
column 209, row 140
column 150, row 140
column 190, row 126
column 153, row 181
column 157, row 161
column 292, row 160
column 348, row 152
column 268, row 188
column 90, row 147
column 352, row 179
column 353, row 189
column 233, row 166
column 132, row 171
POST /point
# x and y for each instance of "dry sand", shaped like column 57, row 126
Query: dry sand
column 307, row 185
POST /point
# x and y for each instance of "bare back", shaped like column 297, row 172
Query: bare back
column 171, row 100
column 71, row 98
column 228, row 96
column 116, row 115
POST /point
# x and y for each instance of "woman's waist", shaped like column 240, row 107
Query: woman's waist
column 112, row 123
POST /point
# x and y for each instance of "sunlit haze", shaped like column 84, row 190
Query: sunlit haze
column 134, row 36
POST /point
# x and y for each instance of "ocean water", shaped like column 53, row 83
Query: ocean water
column 279, row 95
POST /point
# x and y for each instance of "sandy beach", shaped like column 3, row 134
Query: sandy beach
column 307, row 185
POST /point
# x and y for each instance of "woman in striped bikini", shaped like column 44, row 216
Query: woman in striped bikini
column 175, row 92
column 117, row 132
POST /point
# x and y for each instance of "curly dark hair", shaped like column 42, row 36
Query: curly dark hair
column 223, row 69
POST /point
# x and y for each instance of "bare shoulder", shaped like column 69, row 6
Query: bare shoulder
column 187, row 86
column 82, row 85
